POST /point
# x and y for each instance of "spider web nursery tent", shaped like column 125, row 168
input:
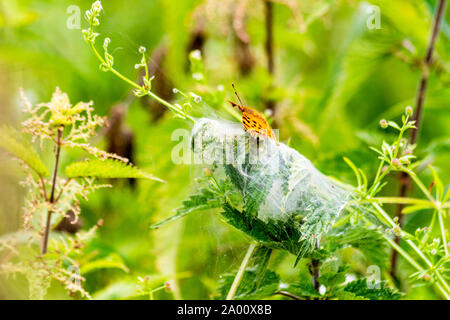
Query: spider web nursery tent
column 273, row 193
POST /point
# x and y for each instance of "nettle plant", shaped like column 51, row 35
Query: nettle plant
column 282, row 202
column 37, row 251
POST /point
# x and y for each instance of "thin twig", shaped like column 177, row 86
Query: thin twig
column 44, row 191
column 62, row 189
column 269, row 36
column 288, row 294
column 269, row 45
column 404, row 178
column 240, row 273
column 315, row 265
column 52, row 194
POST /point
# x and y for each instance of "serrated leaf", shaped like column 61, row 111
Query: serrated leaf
column 345, row 295
column 204, row 200
column 112, row 261
column 303, row 287
column 13, row 142
column 106, row 169
column 254, row 191
column 235, row 176
column 250, row 288
column 369, row 241
column 379, row 291
column 331, row 274
column 272, row 233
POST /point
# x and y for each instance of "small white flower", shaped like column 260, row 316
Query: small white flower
column 197, row 98
column 409, row 111
column 196, row 54
column 142, row 49
column 197, row 76
column 97, row 6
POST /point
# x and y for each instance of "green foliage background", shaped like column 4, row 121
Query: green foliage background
column 334, row 79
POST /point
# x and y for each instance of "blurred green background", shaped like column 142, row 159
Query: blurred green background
column 334, row 78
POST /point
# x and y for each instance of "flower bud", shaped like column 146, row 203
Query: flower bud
column 396, row 163
column 409, row 111
column 106, row 42
column 383, row 123
column 207, row 172
column 196, row 54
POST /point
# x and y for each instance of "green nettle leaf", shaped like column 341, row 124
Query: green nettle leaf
column 13, row 142
column 303, row 287
column 112, row 261
column 286, row 187
column 252, row 286
column 255, row 193
column 235, row 176
column 204, row 200
column 369, row 241
column 257, row 281
column 273, row 233
column 106, row 169
column 332, row 278
column 378, row 291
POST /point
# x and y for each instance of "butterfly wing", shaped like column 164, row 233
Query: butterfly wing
column 254, row 122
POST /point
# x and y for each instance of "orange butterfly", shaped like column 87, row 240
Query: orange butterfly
column 253, row 121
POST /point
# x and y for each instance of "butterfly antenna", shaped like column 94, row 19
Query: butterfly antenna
column 235, row 92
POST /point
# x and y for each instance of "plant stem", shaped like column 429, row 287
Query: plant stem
column 269, row 36
column 315, row 265
column 269, row 45
column 397, row 200
column 404, row 179
column 403, row 185
column 420, row 99
column 288, row 294
column 441, row 284
column 52, row 193
column 44, row 190
column 137, row 86
column 240, row 273
column 404, row 254
column 421, row 186
column 441, row 224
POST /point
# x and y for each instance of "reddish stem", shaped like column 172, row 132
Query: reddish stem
column 404, row 179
